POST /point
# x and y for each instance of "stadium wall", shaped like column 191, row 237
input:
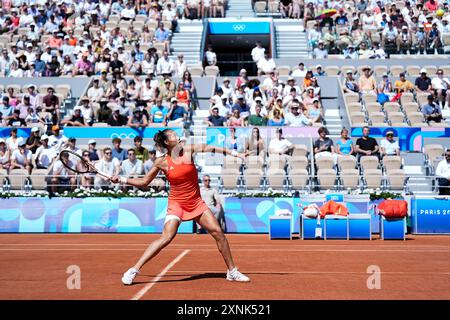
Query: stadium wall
column 139, row 215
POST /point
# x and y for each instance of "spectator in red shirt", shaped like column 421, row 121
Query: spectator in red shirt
column 50, row 103
column 431, row 5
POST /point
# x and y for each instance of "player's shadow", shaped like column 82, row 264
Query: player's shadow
column 206, row 275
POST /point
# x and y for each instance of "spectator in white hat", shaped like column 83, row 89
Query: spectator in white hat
column 21, row 158
column 33, row 142
column 423, row 82
column 44, row 154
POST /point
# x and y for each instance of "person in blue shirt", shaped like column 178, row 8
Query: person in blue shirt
column 139, row 55
column 431, row 110
column 158, row 112
column 344, row 146
column 118, row 152
column 6, row 109
column 162, row 35
column 243, row 108
column 177, row 113
column 39, row 65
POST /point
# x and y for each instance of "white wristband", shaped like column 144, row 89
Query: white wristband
column 123, row 180
column 234, row 153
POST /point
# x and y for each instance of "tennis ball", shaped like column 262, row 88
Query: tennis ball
column 440, row 13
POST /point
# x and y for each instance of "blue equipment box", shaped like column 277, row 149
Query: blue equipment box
column 359, row 226
column 280, row 227
column 336, row 227
column 308, row 227
column 393, row 229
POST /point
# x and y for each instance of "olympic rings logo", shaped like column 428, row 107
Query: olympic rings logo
column 239, row 27
column 123, row 136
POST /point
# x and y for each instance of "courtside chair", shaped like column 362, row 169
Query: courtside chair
column 373, row 178
column 369, row 97
column 390, row 163
column 299, row 179
column 346, row 163
column 196, row 71
column 351, row 97
column 415, row 117
column 433, row 151
column 358, row 118
column 396, row 70
column 325, row 163
column 373, row 107
column 354, row 107
column 284, row 71
column 260, row 7
column 276, row 162
column 212, row 71
column 229, row 179
column 396, row 117
column 350, row 179
column 298, row 162
column 326, row 179
column 380, row 70
column 368, row 163
column 300, row 150
column 253, row 179
column 344, row 69
column 407, row 97
column 377, row 117
column 431, row 70
column 396, row 180
column 331, row 70
column 276, row 179
column 413, row 71
column 232, row 163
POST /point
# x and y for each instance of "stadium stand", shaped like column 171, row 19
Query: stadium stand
column 125, row 65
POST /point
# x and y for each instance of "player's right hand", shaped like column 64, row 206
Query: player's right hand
column 115, row 179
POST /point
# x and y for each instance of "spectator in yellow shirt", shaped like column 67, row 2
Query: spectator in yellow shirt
column 403, row 85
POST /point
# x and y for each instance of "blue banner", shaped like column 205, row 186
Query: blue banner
column 239, row 27
column 410, row 139
column 94, row 215
column 431, row 215
column 114, row 132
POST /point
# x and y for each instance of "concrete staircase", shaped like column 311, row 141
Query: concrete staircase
column 187, row 40
column 291, row 41
column 239, row 8
column 333, row 118
column 419, row 182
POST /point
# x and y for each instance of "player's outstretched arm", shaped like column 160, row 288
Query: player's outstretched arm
column 138, row 182
column 207, row 148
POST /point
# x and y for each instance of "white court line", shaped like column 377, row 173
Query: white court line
column 234, row 250
column 159, row 276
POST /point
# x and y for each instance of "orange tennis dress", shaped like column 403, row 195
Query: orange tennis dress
column 185, row 200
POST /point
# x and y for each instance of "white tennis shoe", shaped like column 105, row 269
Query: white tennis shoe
column 129, row 276
column 235, row 275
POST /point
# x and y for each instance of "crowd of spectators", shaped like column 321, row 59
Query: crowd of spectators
column 438, row 90
column 271, row 102
column 373, row 29
column 39, row 151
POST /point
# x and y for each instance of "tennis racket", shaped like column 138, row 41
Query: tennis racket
column 80, row 165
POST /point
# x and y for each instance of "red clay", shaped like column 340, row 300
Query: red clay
column 33, row 266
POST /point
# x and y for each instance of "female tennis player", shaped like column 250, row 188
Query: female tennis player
column 185, row 202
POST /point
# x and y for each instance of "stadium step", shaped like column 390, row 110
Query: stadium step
column 290, row 40
column 187, row 40
column 239, row 8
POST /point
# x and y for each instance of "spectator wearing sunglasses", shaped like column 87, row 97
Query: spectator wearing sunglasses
column 389, row 146
column 132, row 166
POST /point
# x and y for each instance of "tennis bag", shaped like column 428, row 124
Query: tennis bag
column 311, row 211
column 332, row 207
column 393, row 208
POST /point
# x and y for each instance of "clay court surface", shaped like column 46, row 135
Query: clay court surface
column 34, row 266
